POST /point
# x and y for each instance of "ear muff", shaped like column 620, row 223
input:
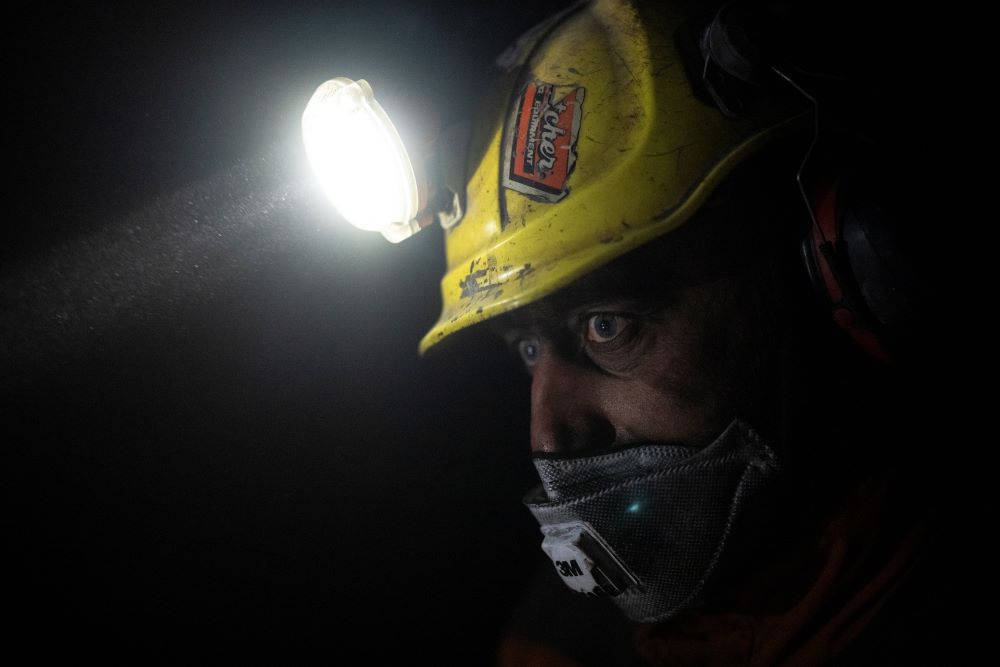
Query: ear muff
column 828, row 265
column 855, row 260
column 850, row 250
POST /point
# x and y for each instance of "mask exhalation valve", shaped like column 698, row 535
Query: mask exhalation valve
column 584, row 561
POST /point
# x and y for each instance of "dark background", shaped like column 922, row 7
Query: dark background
column 219, row 439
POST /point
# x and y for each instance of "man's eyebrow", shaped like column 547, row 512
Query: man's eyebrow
column 509, row 324
column 557, row 318
column 613, row 300
column 538, row 317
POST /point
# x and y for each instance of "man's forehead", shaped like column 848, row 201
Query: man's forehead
column 605, row 285
column 639, row 280
column 626, row 284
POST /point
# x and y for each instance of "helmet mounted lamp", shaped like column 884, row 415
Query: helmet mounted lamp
column 364, row 168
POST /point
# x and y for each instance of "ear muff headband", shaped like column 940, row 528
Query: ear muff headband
column 734, row 72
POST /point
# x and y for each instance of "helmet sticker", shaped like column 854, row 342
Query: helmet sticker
column 541, row 149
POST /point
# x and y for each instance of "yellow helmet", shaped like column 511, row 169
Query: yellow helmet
column 592, row 144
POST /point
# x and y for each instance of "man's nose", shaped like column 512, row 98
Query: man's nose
column 566, row 413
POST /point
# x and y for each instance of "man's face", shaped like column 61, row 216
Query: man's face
column 667, row 345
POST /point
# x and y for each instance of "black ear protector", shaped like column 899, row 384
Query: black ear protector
column 851, row 251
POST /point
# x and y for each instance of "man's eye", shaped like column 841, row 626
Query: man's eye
column 529, row 349
column 603, row 328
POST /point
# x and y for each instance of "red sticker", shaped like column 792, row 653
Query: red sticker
column 542, row 150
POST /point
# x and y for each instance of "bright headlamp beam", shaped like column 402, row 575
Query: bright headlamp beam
column 359, row 159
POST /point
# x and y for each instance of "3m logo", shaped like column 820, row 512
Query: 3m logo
column 568, row 568
column 542, row 149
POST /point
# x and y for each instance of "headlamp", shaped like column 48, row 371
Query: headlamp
column 360, row 160
column 364, row 168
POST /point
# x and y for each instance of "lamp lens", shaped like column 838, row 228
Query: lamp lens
column 357, row 155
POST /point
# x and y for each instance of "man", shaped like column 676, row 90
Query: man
column 716, row 457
